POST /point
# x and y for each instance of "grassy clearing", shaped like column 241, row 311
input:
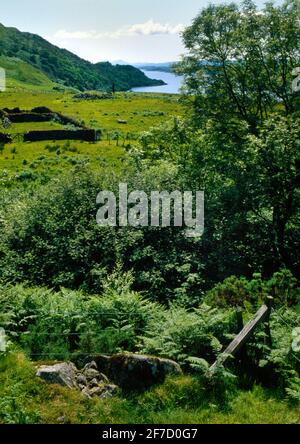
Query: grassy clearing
column 26, row 399
column 140, row 111
column 21, row 128
column 51, row 158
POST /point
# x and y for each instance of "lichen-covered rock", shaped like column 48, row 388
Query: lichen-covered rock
column 81, row 380
column 86, row 392
column 62, row 374
column 91, row 373
column 126, row 370
column 133, row 371
column 89, row 381
column 89, row 365
column 101, row 391
column 109, row 390
column 94, row 383
column 104, row 379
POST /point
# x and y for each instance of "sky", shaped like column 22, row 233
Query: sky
column 136, row 31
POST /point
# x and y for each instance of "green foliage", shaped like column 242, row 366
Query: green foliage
column 179, row 333
column 248, row 61
column 293, row 391
column 117, row 318
column 275, row 363
column 282, row 324
column 42, row 321
column 282, row 286
column 71, row 325
column 55, row 325
column 251, row 186
column 231, row 292
column 220, row 385
column 245, row 146
column 13, row 399
column 52, row 238
column 171, row 141
column 60, row 324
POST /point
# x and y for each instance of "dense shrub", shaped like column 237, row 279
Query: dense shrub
column 282, row 286
column 51, row 238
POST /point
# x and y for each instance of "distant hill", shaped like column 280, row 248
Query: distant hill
column 163, row 67
column 120, row 62
column 64, row 67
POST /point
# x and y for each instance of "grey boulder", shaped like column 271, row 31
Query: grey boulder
column 63, row 374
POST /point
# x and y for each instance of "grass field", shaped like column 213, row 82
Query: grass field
column 26, row 399
column 140, row 111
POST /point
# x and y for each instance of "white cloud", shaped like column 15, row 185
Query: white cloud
column 148, row 28
column 154, row 28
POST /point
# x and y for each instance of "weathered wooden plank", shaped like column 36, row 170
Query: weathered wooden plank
column 262, row 314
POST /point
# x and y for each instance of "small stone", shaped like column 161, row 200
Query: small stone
column 103, row 378
column 110, row 390
column 93, row 383
column 61, row 419
column 81, row 379
column 91, row 373
column 86, row 392
column 96, row 391
column 104, row 391
column 90, row 365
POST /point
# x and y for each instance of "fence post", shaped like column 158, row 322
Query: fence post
column 239, row 319
column 262, row 314
column 269, row 304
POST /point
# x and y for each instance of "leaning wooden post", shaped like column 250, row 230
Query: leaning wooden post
column 262, row 314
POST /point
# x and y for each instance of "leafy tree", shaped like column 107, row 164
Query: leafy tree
column 240, row 61
column 274, row 191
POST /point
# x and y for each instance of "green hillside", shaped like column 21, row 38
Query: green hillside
column 24, row 75
column 63, row 67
